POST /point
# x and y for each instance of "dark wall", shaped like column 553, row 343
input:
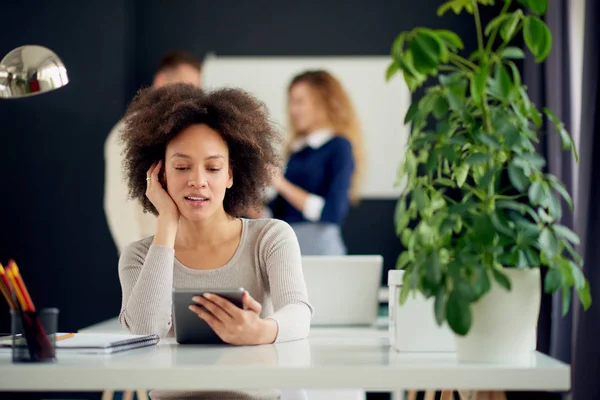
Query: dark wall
column 51, row 206
column 51, row 213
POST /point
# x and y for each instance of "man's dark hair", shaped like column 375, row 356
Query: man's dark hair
column 174, row 59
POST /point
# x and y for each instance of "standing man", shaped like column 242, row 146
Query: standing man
column 126, row 220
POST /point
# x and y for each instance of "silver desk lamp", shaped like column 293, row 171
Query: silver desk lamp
column 30, row 70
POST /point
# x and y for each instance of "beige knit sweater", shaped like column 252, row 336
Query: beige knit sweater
column 267, row 263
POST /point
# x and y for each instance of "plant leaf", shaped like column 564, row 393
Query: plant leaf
column 482, row 282
column 512, row 52
column 515, row 73
column 458, row 314
column 553, row 280
column 398, row 46
column 478, row 83
column 501, row 279
column 565, row 233
column 536, row 192
column 451, row 39
column 517, row 178
column 412, row 77
column 488, row 140
column 548, row 242
column 455, row 5
column 483, row 230
column 477, row 158
column 419, row 197
column 556, row 185
column 576, row 257
column 401, row 217
column 406, row 236
column 486, row 179
column 578, row 277
column 537, row 37
column 426, row 51
column 461, row 173
column 440, row 108
column 405, row 290
column 495, row 23
column 412, row 112
column 403, row 260
column 537, row 6
column 565, row 136
column 440, row 306
column 503, row 82
column 456, row 94
column 509, row 27
column 434, row 269
column 447, row 226
column 392, row 69
column 584, row 296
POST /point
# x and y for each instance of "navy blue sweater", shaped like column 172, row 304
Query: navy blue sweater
column 325, row 172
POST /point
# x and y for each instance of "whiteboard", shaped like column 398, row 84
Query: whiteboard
column 380, row 105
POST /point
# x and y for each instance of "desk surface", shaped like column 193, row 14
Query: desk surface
column 329, row 359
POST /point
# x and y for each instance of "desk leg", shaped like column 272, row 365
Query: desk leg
column 108, row 395
column 397, row 395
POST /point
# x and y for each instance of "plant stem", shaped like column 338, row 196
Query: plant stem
column 502, row 197
column 495, row 31
column 449, row 68
column 463, row 61
column 478, row 25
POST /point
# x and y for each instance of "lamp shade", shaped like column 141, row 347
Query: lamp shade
column 30, row 70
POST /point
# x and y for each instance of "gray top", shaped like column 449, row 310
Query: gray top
column 267, row 263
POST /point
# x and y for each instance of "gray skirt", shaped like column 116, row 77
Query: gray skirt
column 319, row 239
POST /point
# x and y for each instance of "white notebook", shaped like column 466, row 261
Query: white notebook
column 105, row 343
column 97, row 343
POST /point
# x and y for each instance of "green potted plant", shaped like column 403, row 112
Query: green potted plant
column 485, row 216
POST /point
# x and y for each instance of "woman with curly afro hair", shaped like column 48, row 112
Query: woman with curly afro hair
column 197, row 161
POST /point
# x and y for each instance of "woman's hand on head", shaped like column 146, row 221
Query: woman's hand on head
column 233, row 324
column 168, row 213
column 159, row 197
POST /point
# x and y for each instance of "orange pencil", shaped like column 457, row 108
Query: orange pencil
column 4, row 278
column 7, row 296
column 5, row 289
column 15, row 288
column 22, row 287
column 65, row 336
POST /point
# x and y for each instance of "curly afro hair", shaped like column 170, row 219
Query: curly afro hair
column 155, row 116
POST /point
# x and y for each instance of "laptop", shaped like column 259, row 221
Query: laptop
column 343, row 290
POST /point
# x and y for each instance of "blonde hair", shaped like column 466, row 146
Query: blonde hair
column 341, row 116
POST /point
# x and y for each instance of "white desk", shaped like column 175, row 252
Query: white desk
column 328, row 359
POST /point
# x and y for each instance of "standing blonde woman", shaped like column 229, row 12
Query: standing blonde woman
column 325, row 162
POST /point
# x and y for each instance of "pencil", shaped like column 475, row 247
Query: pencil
column 15, row 288
column 65, row 336
column 5, row 289
column 7, row 296
column 4, row 279
column 22, row 286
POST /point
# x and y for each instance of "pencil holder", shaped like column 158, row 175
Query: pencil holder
column 34, row 335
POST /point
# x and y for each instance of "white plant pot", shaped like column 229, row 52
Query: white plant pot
column 412, row 326
column 504, row 324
